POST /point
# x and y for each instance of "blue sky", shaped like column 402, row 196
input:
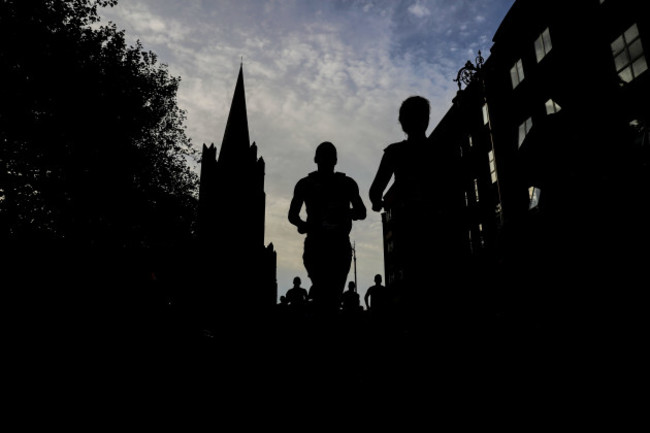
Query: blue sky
column 314, row 71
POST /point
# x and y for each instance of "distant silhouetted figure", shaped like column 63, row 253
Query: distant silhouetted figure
column 376, row 297
column 350, row 301
column 297, row 296
column 426, row 194
column 332, row 202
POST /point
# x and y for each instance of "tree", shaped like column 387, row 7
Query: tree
column 93, row 150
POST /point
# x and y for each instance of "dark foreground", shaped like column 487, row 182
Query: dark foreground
column 492, row 356
column 461, row 364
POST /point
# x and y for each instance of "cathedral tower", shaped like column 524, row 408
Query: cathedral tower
column 239, row 270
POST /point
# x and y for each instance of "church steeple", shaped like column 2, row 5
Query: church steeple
column 232, row 205
column 236, row 140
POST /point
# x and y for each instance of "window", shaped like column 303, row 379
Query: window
column 481, row 238
column 498, row 211
column 552, row 107
column 641, row 132
column 469, row 141
column 486, row 115
column 517, row 73
column 628, row 55
column 524, row 129
column 476, row 196
column 533, row 195
column 470, row 241
column 543, row 45
column 493, row 166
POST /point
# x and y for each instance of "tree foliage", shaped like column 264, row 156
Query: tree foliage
column 93, row 150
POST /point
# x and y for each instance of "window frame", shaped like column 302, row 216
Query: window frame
column 527, row 126
column 628, row 55
column 554, row 106
column 517, row 73
column 543, row 45
column 493, row 166
column 534, row 194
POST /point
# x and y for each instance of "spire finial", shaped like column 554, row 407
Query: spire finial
column 236, row 136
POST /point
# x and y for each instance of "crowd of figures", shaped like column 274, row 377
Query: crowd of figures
column 299, row 302
column 298, row 298
column 388, row 312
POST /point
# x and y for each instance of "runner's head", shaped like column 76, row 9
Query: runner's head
column 325, row 155
column 414, row 115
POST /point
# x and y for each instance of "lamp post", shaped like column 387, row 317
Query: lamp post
column 354, row 257
column 466, row 73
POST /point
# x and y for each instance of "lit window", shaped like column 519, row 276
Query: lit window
column 552, row 107
column 486, row 116
column 481, row 237
column 628, row 55
column 524, row 129
column 533, row 195
column 517, row 73
column 476, row 190
column 469, row 140
column 641, row 132
column 543, row 45
column 493, row 166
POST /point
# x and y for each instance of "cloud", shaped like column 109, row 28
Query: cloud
column 419, row 10
column 314, row 71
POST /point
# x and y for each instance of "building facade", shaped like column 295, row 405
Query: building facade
column 566, row 87
column 552, row 129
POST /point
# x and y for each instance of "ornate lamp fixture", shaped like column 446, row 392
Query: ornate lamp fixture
column 467, row 73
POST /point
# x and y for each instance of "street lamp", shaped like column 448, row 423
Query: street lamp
column 354, row 257
column 466, row 73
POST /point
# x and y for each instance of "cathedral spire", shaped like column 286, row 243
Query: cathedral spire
column 236, row 140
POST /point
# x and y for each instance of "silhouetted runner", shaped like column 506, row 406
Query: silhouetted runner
column 425, row 199
column 376, row 297
column 350, row 301
column 297, row 296
column 332, row 202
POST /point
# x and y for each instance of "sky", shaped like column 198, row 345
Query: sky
column 314, row 71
